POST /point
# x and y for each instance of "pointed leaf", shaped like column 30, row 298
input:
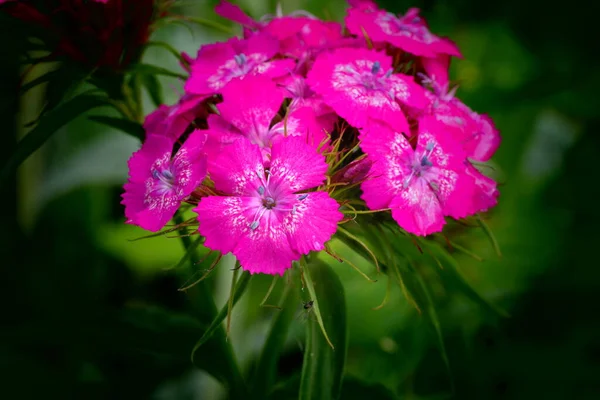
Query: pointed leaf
column 155, row 70
column 166, row 46
column 431, row 313
column 323, row 367
column 48, row 76
column 266, row 370
column 490, row 235
column 50, row 123
column 131, row 127
column 240, row 287
column 153, row 87
column 451, row 271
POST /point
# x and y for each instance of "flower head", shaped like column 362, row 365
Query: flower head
column 268, row 217
column 360, row 86
column 420, row 185
column 408, row 32
column 219, row 63
column 248, row 110
column 158, row 182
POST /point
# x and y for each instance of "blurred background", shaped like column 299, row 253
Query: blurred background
column 88, row 313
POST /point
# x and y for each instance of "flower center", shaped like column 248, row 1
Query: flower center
column 268, row 203
column 272, row 200
column 421, row 165
column 163, row 180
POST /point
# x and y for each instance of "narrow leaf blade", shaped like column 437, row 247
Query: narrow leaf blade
column 323, row 367
column 50, row 123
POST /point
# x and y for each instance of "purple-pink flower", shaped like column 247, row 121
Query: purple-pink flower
column 361, row 86
column 407, row 32
column 219, row 63
column 420, row 185
column 268, row 216
column 158, row 183
column 248, row 111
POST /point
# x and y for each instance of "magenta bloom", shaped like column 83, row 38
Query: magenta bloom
column 172, row 121
column 409, row 32
column 268, row 218
column 360, row 85
column 219, row 63
column 421, row 186
column 301, row 37
column 476, row 133
column 158, row 183
column 247, row 111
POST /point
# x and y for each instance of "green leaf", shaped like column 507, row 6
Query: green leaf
column 490, row 235
column 131, row 127
column 45, row 78
column 50, row 123
column 148, row 69
column 166, row 46
column 323, row 367
column 451, row 272
column 207, row 23
column 266, row 370
column 153, row 87
column 240, row 287
column 431, row 313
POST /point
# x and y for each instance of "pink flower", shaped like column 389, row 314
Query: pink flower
column 436, row 73
column 475, row 132
column 249, row 106
column 268, row 218
column 421, row 186
column 409, row 32
column 485, row 192
column 172, row 121
column 218, row 63
column 360, row 85
column 302, row 37
column 158, row 183
column 295, row 88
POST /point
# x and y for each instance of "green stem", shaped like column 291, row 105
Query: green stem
column 266, row 370
column 205, row 309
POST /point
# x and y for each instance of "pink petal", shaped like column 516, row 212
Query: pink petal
column 296, row 164
column 154, row 212
column 225, row 220
column 303, row 122
column 313, row 223
column 417, row 209
column 447, row 152
column 436, row 69
column 236, row 170
column 408, row 92
column 250, row 105
column 189, row 164
column 485, row 193
column 154, row 148
column 484, row 142
column 266, row 250
column 333, row 76
column 205, row 77
column 391, row 155
column 409, row 32
column 220, row 135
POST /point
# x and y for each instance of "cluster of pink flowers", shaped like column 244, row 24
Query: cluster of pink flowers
column 284, row 130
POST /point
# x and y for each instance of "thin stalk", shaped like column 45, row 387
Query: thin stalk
column 205, row 309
